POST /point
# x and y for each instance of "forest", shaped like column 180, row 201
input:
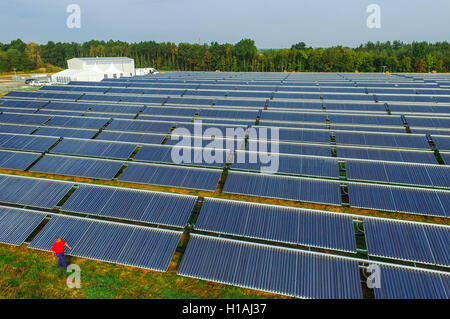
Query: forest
column 243, row 56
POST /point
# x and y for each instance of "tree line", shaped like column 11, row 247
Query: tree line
column 242, row 56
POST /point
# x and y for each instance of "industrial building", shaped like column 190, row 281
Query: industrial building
column 95, row 69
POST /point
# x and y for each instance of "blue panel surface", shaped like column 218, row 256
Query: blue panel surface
column 277, row 223
column 134, row 246
column 77, row 166
column 269, row 268
column 195, row 178
column 16, row 225
column 135, row 205
column 283, row 187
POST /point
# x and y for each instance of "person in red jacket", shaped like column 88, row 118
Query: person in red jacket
column 58, row 251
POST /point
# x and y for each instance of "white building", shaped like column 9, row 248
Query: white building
column 95, row 69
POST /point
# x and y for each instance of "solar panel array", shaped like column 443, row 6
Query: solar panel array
column 407, row 241
column 275, row 223
column 283, row 187
column 273, row 269
column 370, row 140
column 412, row 284
column 134, row 205
column 142, row 247
column 17, row 225
column 32, row 192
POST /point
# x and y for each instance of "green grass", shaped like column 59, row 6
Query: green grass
column 7, row 87
column 27, row 273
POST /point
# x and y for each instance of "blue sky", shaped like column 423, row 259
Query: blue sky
column 271, row 23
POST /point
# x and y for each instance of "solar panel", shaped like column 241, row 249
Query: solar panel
column 228, row 113
column 277, row 223
column 66, row 132
column 200, row 127
column 67, row 106
column 364, row 119
column 16, row 160
column 27, row 142
column 400, row 283
column 347, row 97
column 170, row 111
column 205, row 142
column 103, row 98
column 81, row 122
column 112, row 108
column 239, row 103
column 61, row 113
column 22, row 94
column 275, row 104
column 77, row 166
column 428, row 121
column 400, row 199
column 445, row 157
column 442, row 142
column 32, row 192
column 431, row 131
column 294, row 135
column 140, row 126
column 293, row 116
column 24, row 104
column 147, row 138
column 135, row 205
column 6, row 128
column 302, row 149
column 182, row 155
column 283, row 187
column 17, row 110
column 373, row 107
column 424, row 243
column 18, row 118
column 426, row 157
column 135, row 246
column 16, row 225
column 413, row 174
column 172, row 176
column 94, row 148
column 275, row 163
column 232, row 122
column 378, row 128
column 270, row 268
column 379, row 139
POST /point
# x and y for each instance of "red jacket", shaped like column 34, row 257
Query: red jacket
column 58, row 247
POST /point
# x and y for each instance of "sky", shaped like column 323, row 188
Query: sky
column 271, row 23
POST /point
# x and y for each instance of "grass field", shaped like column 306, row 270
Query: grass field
column 27, row 273
column 7, row 86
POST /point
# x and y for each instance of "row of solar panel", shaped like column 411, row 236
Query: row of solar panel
column 273, row 269
column 296, row 273
column 313, row 166
column 393, row 239
column 419, row 201
column 120, row 203
column 255, row 91
column 116, row 124
column 94, row 109
column 372, row 153
column 282, row 84
column 405, row 140
column 233, row 117
column 142, row 247
column 67, row 106
column 174, row 99
column 370, row 196
column 124, row 111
